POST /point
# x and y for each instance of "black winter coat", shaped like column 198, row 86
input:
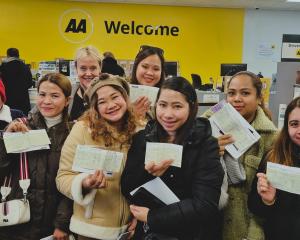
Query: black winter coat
column 49, row 209
column 17, row 79
column 197, row 184
column 282, row 219
column 110, row 65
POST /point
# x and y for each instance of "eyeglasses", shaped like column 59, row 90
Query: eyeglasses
column 156, row 49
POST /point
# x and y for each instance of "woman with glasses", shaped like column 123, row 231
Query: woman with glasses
column 148, row 70
column 100, row 210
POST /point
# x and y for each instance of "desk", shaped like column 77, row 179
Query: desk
column 206, row 99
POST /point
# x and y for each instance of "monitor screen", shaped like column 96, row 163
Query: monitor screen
column 229, row 69
column 171, row 68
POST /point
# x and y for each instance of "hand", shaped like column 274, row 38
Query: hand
column 96, row 180
column 131, row 227
column 158, row 169
column 265, row 190
column 141, row 106
column 60, row 235
column 17, row 126
column 224, row 140
column 140, row 213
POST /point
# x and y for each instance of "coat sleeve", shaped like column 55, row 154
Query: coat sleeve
column 28, row 77
column 134, row 174
column 68, row 182
column 64, row 213
column 202, row 206
column 4, row 161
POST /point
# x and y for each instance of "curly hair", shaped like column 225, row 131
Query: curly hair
column 100, row 128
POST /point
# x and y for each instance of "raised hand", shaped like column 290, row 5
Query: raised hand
column 265, row 190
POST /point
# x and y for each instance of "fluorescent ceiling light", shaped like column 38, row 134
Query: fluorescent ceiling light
column 296, row 1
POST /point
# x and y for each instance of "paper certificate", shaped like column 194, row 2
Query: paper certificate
column 283, row 177
column 163, row 151
column 226, row 120
column 142, row 90
column 91, row 158
column 16, row 142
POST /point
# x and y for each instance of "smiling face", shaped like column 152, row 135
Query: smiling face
column 87, row 69
column 294, row 126
column 172, row 111
column 111, row 104
column 51, row 100
column 149, row 71
column 242, row 95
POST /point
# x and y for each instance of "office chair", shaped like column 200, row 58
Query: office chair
column 197, row 82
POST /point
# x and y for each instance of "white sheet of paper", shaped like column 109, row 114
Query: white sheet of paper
column 32, row 140
column 160, row 190
column 164, row 151
column 91, row 158
column 228, row 121
column 48, row 238
column 284, row 177
column 142, row 90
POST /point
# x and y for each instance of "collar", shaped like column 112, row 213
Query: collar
column 5, row 114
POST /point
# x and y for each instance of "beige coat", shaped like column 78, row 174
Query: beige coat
column 239, row 223
column 102, row 213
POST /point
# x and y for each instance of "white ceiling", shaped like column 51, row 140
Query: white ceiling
column 248, row 4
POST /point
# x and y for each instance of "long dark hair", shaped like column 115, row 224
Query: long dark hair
column 183, row 86
column 144, row 53
column 257, row 84
column 282, row 148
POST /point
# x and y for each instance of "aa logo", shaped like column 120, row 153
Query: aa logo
column 76, row 25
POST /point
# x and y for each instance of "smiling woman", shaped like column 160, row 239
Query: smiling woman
column 50, row 211
column 108, row 124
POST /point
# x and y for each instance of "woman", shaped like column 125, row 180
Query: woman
column 280, row 209
column 88, row 66
column 100, row 210
column 148, row 70
column 197, row 183
column 50, row 211
column 245, row 95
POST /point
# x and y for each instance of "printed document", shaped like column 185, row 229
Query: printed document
column 142, row 90
column 160, row 190
column 284, row 177
column 163, row 151
column 16, row 142
column 91, row 158
column 226, row 120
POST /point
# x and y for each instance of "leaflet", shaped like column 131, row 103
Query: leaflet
column 226, row 120
column 160, row 190
column 284, row 177
column 16, row 142
column 91, row 158
column 142, row 90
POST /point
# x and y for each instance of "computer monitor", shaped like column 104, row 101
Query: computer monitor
column 171, row 68
column 229, row 69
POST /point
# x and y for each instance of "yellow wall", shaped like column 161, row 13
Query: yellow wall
column 207, row 36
